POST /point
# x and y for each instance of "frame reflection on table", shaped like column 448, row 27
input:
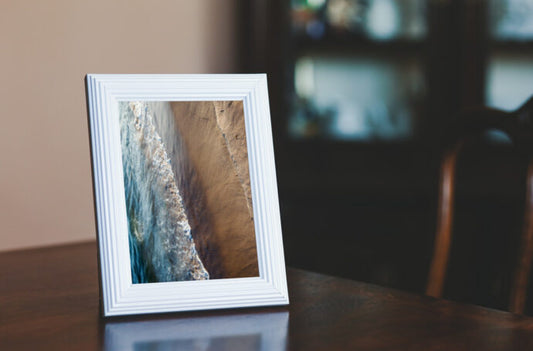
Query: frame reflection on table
column 267, row 331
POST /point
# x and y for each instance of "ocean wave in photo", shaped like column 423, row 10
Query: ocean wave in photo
column 162, row 247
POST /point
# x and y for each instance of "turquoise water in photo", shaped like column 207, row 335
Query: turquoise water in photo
column 161, row 246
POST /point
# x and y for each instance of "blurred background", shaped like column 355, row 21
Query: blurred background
column 361, row 93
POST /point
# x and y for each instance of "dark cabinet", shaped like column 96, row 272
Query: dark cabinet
column 361, row 92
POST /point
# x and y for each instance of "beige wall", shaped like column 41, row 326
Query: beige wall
column 47, row 47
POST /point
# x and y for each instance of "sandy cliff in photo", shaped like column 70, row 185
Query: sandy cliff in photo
column 214, row 136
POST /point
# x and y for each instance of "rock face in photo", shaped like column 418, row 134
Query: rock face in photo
column 230, row 120
column 213, row 133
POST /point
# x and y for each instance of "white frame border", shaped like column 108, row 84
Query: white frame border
column 119, row 295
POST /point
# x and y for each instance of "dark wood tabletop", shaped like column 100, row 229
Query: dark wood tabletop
column 49, row 300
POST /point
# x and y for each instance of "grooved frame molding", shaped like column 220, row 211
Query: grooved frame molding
column 119, row 295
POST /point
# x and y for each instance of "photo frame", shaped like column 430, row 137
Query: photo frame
column 185, row 193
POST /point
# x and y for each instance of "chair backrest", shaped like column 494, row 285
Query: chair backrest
column 518, row 125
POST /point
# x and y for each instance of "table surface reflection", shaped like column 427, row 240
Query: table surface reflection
column 49, row 301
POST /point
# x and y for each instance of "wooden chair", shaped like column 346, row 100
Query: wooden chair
column 518, row 125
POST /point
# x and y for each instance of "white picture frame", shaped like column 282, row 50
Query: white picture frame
column 120, row 296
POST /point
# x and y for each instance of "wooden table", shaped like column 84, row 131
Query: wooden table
column 49, row 301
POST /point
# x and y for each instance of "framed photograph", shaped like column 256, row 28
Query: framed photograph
column 185, row 193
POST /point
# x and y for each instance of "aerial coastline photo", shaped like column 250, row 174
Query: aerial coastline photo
column 187, row 190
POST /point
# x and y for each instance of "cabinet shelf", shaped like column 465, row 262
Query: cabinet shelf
column 512, row 46
column 351, row 43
